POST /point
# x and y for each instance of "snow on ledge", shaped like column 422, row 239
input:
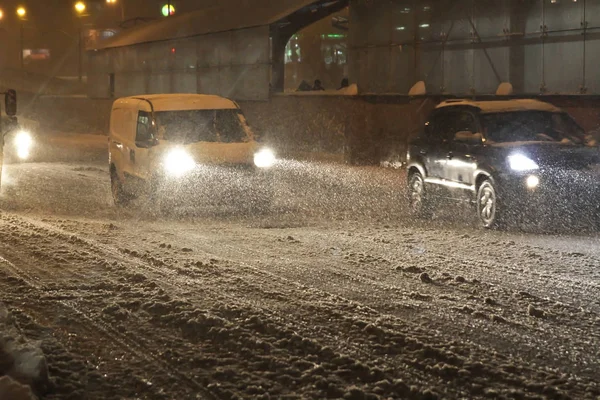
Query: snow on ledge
column 351, row 90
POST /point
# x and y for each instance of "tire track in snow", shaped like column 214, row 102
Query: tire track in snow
column 261, row 273
column 123, row 341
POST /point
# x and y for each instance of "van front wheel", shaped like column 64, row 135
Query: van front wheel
column 119, row 196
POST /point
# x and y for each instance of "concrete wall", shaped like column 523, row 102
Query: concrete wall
column 343, row 127
column 359, row 129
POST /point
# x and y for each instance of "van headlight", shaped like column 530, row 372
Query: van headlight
column 178, row 162
column 23, row 144
column 519, row 162
column 264, row 158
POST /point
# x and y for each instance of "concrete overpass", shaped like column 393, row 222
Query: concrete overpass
column 235, row 51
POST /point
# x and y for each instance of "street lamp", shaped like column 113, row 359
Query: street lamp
column 120, row 4
column 22, row 13
column 1, row 14
column 80, row 9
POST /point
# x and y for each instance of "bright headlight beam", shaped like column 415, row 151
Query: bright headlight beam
column 178, row 162
column 23, row 143
column 264, row 158
column 519, row 162
column 532, row 181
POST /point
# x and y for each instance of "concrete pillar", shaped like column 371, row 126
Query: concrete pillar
column 279, row 41
column 518, row 14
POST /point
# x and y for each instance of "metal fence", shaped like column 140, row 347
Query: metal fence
column 471, row 46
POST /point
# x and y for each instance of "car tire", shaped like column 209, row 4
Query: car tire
column 487, row 205
column 418, row 202
column 120, row 198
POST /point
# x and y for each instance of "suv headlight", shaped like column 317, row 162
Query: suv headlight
column 519, row 162
column 178, row 162
column 264, row 158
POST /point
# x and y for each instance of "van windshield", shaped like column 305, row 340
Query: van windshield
column 192, row 126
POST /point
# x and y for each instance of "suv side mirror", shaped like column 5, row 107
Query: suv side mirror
column 10, row 102
column 468, row 137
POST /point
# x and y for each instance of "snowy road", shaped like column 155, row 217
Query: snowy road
column 335, row 294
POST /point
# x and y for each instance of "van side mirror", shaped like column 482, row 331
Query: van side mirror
column 147, row 143
column 10, row 102
column 468, row 137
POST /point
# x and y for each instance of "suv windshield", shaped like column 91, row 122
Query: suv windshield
column 532, row 126
column 192, row 126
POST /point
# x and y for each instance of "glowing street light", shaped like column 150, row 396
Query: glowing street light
column 21, row 12
column 113, row 2
column 168, row 10
column 80, row 7
column 1, row 14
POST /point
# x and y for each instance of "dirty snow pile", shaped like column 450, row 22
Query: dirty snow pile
column 22, row 363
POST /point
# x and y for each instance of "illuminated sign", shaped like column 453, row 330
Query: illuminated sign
column 36, row 55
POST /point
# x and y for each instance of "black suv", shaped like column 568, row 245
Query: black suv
column 505, row 157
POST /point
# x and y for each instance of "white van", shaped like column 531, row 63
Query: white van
column 183, row 147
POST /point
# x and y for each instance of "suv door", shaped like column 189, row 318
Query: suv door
column 428, row 147
column 460, row 161
column 439, row 138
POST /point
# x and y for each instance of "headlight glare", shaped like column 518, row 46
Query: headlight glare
column 532, row 181
column 519, row 162
column 23, row 143
column 178, row 162
column 264, row 158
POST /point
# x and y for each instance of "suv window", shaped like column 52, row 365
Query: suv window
column 444, row 125
column 463, row 121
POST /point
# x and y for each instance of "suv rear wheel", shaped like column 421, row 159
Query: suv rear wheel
column 487, row 205
column 417, row 200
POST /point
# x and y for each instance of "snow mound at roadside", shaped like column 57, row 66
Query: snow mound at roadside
column 13, row 390
column 22, row 363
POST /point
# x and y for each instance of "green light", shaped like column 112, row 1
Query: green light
column 165, row 10
column 333, row 36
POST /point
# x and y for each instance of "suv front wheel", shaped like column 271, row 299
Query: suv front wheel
column 417, row 199
column 487, row 205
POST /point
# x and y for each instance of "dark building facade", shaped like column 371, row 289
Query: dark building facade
column 238, row 52
column 457, row 47
column 465, row 47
